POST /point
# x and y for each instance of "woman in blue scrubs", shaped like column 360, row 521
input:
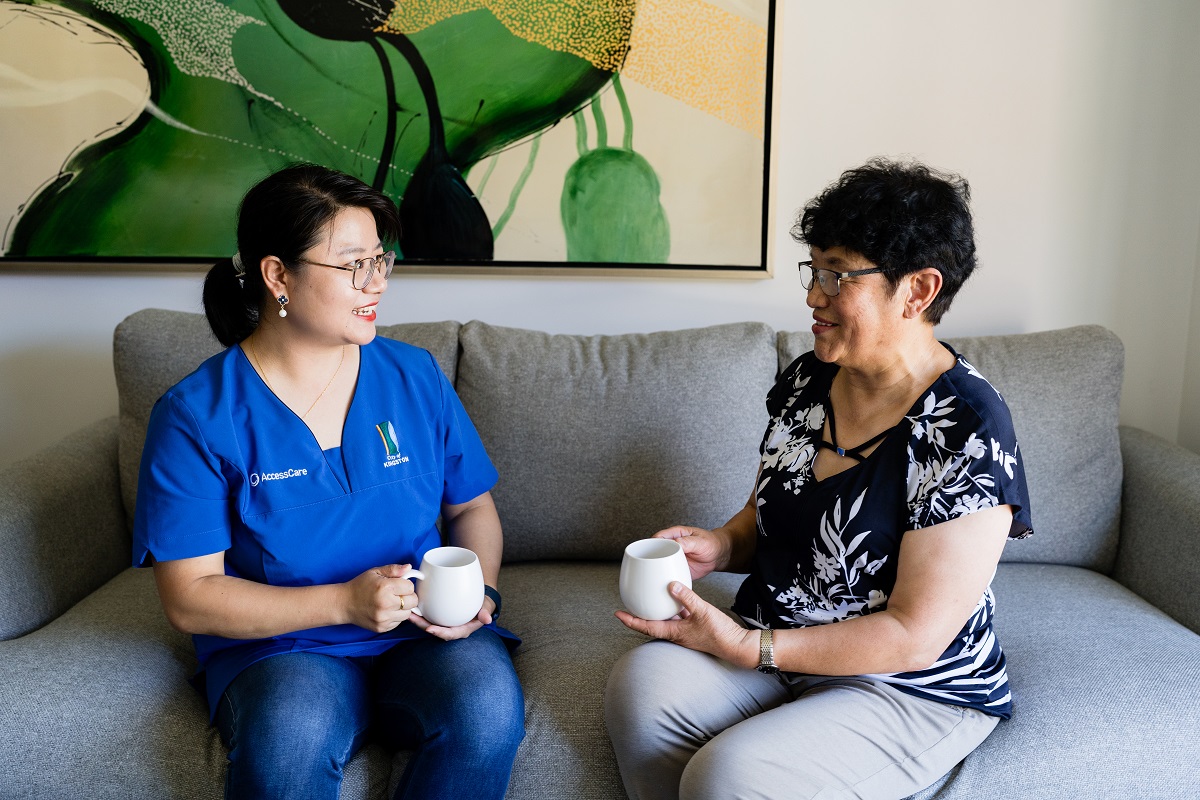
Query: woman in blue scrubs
column 288, row 484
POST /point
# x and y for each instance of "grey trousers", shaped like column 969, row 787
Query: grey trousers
column 688, row 725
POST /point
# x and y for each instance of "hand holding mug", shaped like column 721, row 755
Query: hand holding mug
column 648, row 568
column 380, row 598
column 706, row 551
column 450, row 594
column 700, row 626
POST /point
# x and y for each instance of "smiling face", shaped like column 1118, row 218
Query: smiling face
column 324, row 305
column 863, row 323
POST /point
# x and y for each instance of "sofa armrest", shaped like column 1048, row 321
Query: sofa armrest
column 62, row 528
column 1159, row 551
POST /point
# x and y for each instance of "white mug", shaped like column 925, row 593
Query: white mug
column 451, row 590
column 647, row 569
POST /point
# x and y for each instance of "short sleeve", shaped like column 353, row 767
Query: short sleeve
column 468, row 470
column 963, row 456
column 183, row 498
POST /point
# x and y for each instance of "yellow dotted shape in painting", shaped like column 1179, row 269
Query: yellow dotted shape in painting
column 702, row 55
column 594, row 30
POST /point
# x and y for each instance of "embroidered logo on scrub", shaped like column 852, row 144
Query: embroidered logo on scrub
column 390, row 444
column 256, row 478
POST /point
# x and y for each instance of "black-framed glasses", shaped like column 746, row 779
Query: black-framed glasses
column 829, row 281
column 363, row 269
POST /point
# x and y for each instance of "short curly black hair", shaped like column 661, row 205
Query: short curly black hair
column 902, row 216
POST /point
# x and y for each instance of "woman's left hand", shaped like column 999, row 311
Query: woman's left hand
column 484, row 617
column 700, row 626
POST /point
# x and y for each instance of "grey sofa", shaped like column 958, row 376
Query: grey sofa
column 599, row 441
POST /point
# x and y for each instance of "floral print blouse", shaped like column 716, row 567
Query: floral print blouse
column 826, row 550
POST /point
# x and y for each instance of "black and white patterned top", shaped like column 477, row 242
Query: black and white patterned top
column 826, row 550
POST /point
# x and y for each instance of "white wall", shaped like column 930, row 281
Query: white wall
column 1076, row 121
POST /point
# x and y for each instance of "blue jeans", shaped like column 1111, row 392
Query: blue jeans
column 292, row 722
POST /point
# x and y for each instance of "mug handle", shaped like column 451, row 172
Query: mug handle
column 417, row 574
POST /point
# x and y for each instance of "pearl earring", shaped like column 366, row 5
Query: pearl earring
column 283, row 301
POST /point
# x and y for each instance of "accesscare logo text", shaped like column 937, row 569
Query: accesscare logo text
column 256, row 478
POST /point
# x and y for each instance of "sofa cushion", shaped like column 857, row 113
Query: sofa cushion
column 155, row 349
column 601, row 440
column 564, row 611
column 439, row 338
column 791, row 345
column 1063, row 388
column 62, row 527
column 1092, row 669
column 152, row 351
column 101, row 700
column 150, row 737
column 1160, row 524
column 1101, row 681
column 1090, row 665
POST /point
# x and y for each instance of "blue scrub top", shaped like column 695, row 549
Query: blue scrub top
column 227, row 467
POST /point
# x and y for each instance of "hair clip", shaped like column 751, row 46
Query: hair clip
column 240, row 269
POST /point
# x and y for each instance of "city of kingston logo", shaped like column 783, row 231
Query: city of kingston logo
column 388, row 434
column 391, row 443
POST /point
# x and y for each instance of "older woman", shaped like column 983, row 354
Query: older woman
column 860, row 660
column 285, row 488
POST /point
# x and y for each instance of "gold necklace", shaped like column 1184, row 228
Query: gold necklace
column 263, row 372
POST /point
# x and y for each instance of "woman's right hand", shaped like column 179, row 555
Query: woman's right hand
column 706, row 550
column 381, row 598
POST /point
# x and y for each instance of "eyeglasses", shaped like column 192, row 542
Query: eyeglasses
column 364, row 269
column 829, row 280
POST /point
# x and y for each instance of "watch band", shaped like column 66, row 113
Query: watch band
column 766, row 652
column 490, row 591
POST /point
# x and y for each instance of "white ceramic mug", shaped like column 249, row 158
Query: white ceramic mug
column 451, row 589
column 647, row 569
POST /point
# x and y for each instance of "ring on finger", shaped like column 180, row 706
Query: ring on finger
column 404, row 603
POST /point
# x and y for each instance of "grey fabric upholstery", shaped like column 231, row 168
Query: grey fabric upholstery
column 439, row 338
column 137, row 733
column 155, row 349
column 1159, row 556
column 601, row 440
column 125, row 721
column 1091, row 718
column 152, row 351
column 1102, row 700
column 1063, row 389
column 62, row 531
column 791, row 345
column 564, row 612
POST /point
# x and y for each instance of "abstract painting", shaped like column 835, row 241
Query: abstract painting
column 566, row 134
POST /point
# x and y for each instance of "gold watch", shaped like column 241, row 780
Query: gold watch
column 766, row 652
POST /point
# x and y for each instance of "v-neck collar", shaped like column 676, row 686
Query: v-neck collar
column 887, row 436
column 285, row 413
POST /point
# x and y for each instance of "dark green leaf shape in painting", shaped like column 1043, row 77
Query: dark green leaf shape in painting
column 440, row 213
column 326, row 91
column 493, row 89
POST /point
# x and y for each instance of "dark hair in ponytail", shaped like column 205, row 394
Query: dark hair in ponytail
column 284, row 215
column 232, row 310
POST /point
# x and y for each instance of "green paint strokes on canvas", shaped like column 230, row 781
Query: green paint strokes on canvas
column 515, row 194
column 610, row 205
column 611, row 210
